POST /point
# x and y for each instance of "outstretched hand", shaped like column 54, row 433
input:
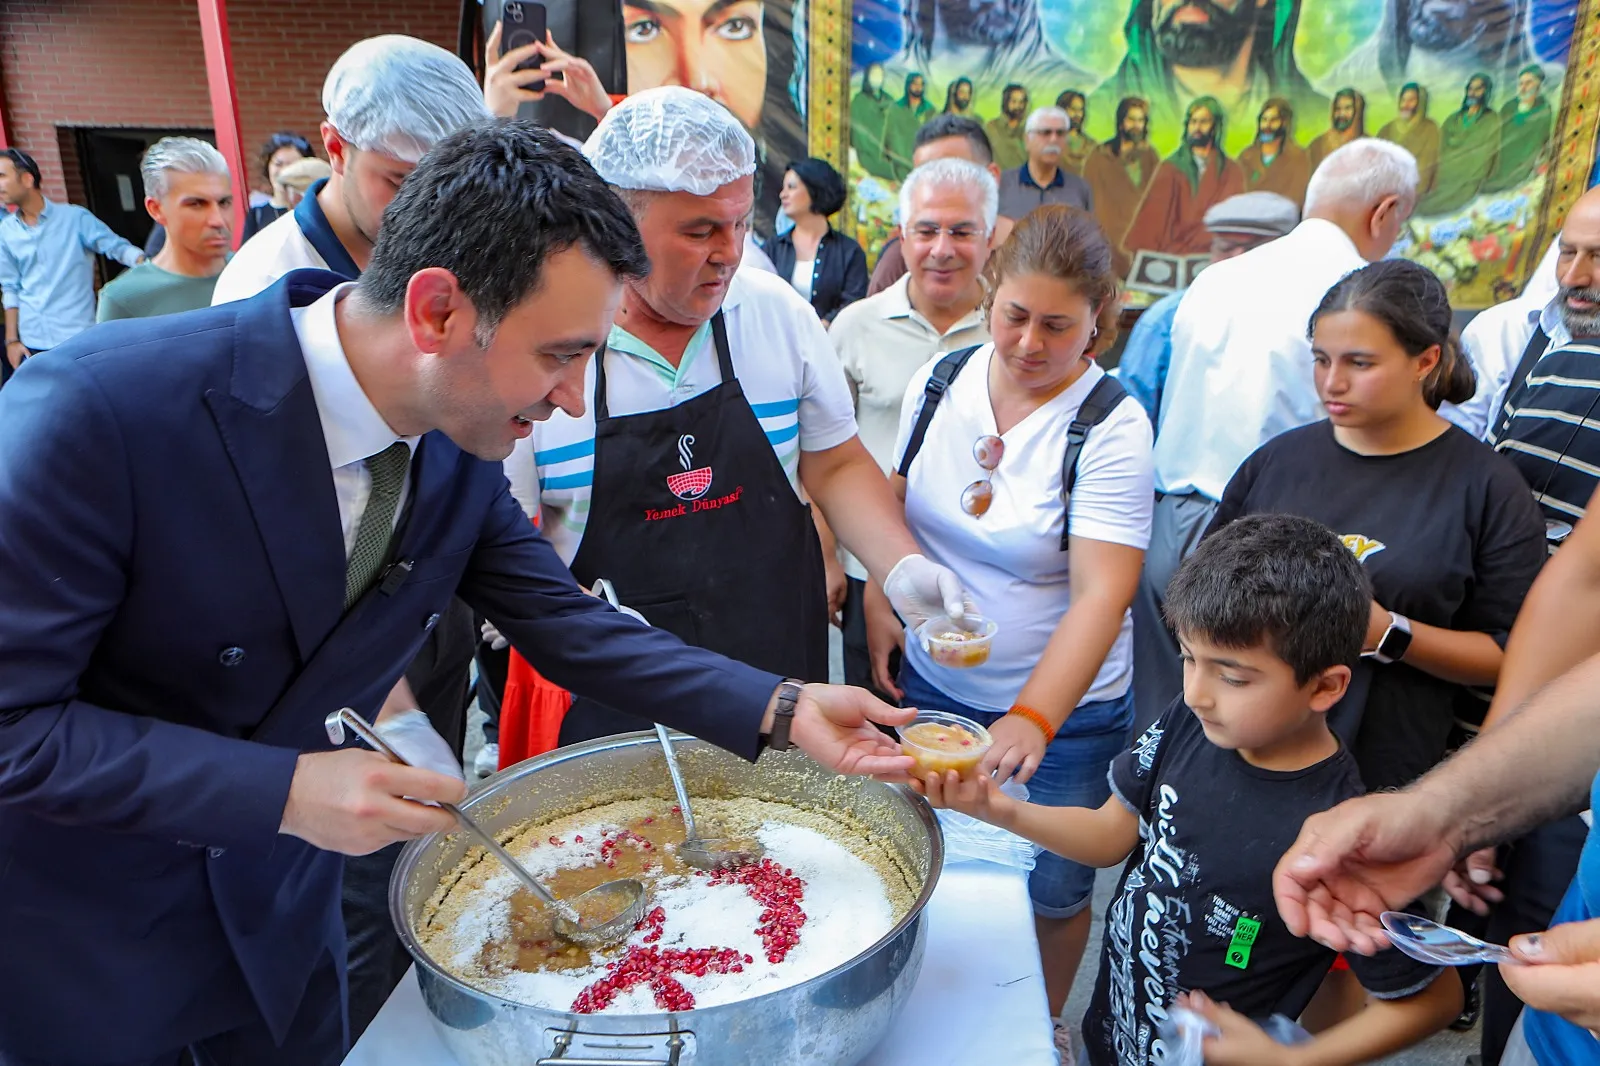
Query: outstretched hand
column 1350, row 864
column 834, row 725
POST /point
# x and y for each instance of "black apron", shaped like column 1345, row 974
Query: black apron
column 693, row 520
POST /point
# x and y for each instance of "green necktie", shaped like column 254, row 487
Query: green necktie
column 388, row 469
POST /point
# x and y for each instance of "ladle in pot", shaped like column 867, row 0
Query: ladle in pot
column 623, row 900
column 704, row 853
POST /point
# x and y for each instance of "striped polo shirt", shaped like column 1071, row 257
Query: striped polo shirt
column 788, row 369
column 1553, row 437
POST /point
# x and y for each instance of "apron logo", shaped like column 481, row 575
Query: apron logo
column 692, row 483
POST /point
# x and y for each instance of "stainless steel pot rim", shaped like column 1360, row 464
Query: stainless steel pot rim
column 502, row 781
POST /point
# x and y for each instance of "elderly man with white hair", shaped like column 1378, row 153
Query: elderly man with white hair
column 1241, row 371
column 1042, row 179
column 715, row 410
column 948, row 211
column 387, row 100
column 187, row 189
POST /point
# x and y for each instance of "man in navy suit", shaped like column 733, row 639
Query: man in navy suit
column 219, row 526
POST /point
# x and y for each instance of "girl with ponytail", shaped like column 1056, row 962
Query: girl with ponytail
column 1446, row 529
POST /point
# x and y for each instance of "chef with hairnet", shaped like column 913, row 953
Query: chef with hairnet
column 387, row 99
column 715, row 409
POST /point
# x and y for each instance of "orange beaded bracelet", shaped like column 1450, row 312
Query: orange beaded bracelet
column 1024, row 711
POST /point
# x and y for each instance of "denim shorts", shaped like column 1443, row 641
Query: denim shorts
column 1072, row 774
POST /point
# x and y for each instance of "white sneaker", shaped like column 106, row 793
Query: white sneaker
column 488, row 760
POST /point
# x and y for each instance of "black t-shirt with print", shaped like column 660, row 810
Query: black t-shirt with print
column 1212, row 828
column 1450, row 536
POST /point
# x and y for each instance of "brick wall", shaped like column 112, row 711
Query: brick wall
column 66, row 63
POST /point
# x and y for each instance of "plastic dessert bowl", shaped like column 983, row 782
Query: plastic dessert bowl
column 958, row 645
column 937, row 741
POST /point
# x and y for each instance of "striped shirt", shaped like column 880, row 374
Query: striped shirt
column 1553, row 437
column 786, row 366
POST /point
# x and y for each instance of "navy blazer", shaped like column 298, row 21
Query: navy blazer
column 838, row 276
column 172, row 635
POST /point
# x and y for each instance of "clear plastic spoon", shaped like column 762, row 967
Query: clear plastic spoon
column 1428, row 941
column 621, row 902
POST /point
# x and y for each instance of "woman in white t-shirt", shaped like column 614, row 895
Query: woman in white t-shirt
column 1060, row 663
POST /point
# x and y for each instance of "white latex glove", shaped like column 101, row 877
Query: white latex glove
column 413, row 736
column 919, row 590
column 493, row 637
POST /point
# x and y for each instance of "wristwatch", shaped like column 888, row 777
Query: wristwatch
column 1395, row 641
column 783, row 716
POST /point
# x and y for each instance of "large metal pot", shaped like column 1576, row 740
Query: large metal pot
column 835, row 1018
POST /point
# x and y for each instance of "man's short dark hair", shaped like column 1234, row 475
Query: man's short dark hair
column 1276, row 579
column 491, row 203
column 24, row 164
column 939, row 127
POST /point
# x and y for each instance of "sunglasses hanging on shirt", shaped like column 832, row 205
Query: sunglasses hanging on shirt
column 977, row 497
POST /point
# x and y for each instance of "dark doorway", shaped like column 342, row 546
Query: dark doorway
column 113, row 189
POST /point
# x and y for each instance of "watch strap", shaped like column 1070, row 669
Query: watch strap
column 783, row 715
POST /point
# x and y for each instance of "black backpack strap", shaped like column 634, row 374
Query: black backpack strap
column 1537, row 344
column 943, row 374
column 1101, row 401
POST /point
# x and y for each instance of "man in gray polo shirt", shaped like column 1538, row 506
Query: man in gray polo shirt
column 1042, row 179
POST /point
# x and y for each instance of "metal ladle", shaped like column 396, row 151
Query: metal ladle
column 624, row 898
column 704, row 853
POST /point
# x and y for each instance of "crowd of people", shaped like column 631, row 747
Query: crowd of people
column 1303, row 543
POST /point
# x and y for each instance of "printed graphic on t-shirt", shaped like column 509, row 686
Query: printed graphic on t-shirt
column 1145, row 748
column 1148, row 929
column 1362, row 547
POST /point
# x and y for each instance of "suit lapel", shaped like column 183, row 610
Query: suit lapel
column 269, row 424
column 431, row 474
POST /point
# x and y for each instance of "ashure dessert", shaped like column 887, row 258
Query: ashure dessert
column 821, row 895
column 937, row 742
column 959, row 646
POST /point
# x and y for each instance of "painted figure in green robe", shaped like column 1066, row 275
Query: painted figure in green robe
column 869, row 122
column 1469, row 144
column 1525, row 125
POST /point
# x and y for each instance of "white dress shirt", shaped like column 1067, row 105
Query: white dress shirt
column 1241, row 361
column 263, row 259
column 1493, row 343
column 351, row 426
column 1496, row 338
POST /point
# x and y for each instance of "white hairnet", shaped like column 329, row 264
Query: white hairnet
column 671, row 139
column 400, row 96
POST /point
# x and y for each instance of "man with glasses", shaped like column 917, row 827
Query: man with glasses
column 949, row 207
column 1042, row 179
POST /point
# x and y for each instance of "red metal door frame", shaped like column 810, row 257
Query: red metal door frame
column 224, row 103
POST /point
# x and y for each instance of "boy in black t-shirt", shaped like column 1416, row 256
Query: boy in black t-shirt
column 1270, row 612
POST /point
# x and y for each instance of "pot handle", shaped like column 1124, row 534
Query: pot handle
column 677, row 1044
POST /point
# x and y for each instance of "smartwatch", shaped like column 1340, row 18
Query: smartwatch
column 783, row 716
column 1396, row 640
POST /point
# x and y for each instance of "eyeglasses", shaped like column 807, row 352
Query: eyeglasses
column 977, row 497
column 928, row 231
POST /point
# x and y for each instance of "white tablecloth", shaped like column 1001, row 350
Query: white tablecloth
column 980, row 997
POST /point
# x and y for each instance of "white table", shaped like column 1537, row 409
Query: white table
column 979, row 998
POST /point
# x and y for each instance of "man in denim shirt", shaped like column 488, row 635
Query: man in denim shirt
column 47, row 255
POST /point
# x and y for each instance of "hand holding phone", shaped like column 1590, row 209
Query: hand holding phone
column 522, row 23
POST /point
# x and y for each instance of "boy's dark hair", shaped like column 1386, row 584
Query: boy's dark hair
column 491, row 203
column 939, row 127
column 1279, row 579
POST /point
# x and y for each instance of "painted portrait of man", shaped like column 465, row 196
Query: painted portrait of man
column 1119, row 170
column 1186, row 184
column 991, row 42
column 1347, row 120
column 1076, row 154
column 1418, row 134
column 1525, row 124
column 740, row 53
column 1274, row 162
column 1239, row 52
column 1469, row 142
column 1437, row 42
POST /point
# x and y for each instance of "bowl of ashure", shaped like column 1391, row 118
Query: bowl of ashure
column 938, row 741
column 806, row 955
column 958, row 645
